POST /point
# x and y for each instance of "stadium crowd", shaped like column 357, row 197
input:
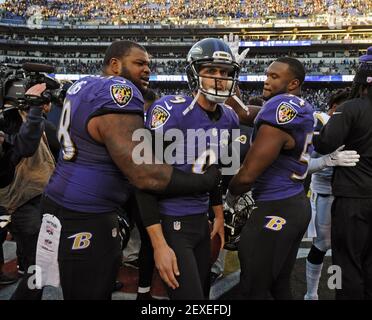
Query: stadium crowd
column 128, row 60
column 178, row 11
column 177, row 67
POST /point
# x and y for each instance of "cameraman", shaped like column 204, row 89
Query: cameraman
column 25, row 167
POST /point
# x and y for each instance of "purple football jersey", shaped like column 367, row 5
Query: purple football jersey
column 284, row 177
column 188, row 153
column 86, row 179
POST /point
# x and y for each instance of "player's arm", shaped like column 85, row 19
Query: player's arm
column 246, row 114
column 215, row 200
column 264, row 150
column 164, row 256
column 218, row 224
column 115, row 131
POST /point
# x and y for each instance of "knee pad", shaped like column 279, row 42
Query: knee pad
column 316, row 256
column 323, row 239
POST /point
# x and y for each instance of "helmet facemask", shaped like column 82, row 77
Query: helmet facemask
column 213, row 94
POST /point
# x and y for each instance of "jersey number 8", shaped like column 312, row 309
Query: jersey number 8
column 69, row 151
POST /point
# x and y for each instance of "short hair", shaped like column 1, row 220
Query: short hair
column 338, row 97
column 295, row 66
column 256, row 101
column 150, row 96
column 119, row 49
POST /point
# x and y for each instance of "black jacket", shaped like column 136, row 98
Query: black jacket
column 351, row 125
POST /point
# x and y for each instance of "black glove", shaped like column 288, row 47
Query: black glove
column 184, row 183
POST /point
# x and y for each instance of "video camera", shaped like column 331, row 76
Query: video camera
column 16, row 79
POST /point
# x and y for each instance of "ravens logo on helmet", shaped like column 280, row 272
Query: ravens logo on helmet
column 125, row 225
column 235, row 219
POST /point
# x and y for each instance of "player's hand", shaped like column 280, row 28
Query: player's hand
column 347, row 158
column 219, row 229
column 233, row 42
column 166, row 263
column 35, row 96
column 36, row 90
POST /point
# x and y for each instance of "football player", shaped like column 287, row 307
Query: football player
column 181, row 240
column 274, row 168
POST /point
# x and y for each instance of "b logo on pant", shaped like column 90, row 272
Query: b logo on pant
column 81, row 240
column 275, row 223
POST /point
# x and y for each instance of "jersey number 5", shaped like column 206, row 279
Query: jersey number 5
column 304, row 158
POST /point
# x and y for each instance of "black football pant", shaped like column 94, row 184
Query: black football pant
column 268, row 247
column 146, row 261
column 89, row 254
column 189, row 237
column 351, row 240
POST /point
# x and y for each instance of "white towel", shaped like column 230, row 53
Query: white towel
column 47, row 252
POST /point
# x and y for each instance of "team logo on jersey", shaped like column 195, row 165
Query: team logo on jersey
column 121, row 94
column 285, row 113
column 81, row 240
column 275, row 223
column 159, row 117
column 242, row 139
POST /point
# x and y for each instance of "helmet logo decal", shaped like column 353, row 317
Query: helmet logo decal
column 196, row 50
column 222, row 55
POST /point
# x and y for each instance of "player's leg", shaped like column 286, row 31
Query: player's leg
column 321, row 243
column 146, row 263
column 89, row 255
column 289, row 240
column 256, row 253
column 183, row 234
column 202, row 252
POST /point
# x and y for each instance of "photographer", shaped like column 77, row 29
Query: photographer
column 27, row 162
column 17, row 143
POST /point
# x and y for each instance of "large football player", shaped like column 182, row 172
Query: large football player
column 181, row 240
column 79, row 245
